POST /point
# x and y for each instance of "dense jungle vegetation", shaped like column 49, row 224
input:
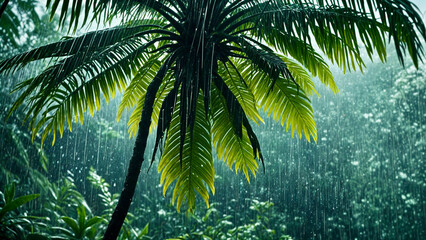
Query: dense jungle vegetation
column 364, row 178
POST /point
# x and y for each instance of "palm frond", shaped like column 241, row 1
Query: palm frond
column 263, row 58
column 404, row 21
column 347, row 26
column 72, row 94
column 237, row 85
column 79, row 13
column 301, row 76
column 305, row 54
column 138, row 85
column 284, row 100
column 232, row 148
column 135, row 92
column 88, row 43
column 196, row 171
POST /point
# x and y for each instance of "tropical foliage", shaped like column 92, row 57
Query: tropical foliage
column 66, row 214
column 363, row 179
column 200, row 71
column 13, row 226
column 14, row 17
column 22, row 27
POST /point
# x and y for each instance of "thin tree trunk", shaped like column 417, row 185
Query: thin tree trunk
column 3, row 7
column 135, row 164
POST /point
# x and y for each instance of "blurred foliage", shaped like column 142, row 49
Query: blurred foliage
column 21, row 160
column 14, row 225
column 222, row 226
column 22, row 27
column 15, row 19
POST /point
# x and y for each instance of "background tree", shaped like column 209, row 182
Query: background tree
column 17, row 18
column 22, row 29
column 200, row 70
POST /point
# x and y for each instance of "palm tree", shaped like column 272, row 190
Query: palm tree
column 199, row 71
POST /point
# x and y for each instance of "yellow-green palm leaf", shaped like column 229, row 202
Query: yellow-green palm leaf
column 234, row 150
column 195, row 171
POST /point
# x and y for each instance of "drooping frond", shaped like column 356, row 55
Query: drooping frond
column 339, row 30
column 237, row 85
column 284, row 100
column 165, row 117
column 264, row 59
column 73, row 84
column 79, row 13
column 65, row 91
column 241, row 128
column 135, row 94
column 403, row 20
column 232, row 147
column 196, row 171
column 138, row 85
column 87, row 9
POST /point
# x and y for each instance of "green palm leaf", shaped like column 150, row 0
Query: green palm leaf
column 305, row 54
column 109, row 71
column 237, row 85
column 196, row 171
column 230, row 147
column 301, row 76
column 285, row 101
column 138, row 85
column 88, row 43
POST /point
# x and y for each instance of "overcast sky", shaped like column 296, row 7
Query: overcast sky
column 421, row 4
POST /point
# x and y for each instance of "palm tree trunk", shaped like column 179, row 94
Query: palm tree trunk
column 135, row 164
column 3, row 7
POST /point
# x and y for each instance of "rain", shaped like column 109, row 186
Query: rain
column 363, row 176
